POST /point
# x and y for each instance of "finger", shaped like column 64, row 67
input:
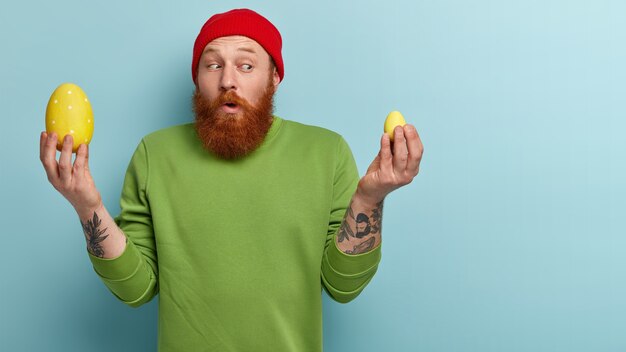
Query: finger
column 416, row 149
column 79, row 163
column 400, row 152
column 42, row 143
column 86, row 157
column 48, row 157
column 65, row 161
column 385, row 153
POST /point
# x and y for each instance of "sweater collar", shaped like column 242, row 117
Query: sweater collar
column 273, row 131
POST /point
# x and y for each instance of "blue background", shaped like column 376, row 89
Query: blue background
column 511, row 238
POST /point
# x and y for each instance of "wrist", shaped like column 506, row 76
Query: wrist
column 367, row 200
column 86, row 212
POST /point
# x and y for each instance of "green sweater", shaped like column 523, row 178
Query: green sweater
column 238, row 251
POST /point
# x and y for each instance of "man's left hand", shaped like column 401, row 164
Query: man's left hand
column 390, row 171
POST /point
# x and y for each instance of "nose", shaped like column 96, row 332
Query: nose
column 229, row 79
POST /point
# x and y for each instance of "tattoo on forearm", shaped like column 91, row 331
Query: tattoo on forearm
column 93, row 234
column 345, row 232
column 377, row 215
column 363, row 246
column 364, row 226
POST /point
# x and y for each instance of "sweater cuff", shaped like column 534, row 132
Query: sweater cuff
column 119, row 268
column 353, row 264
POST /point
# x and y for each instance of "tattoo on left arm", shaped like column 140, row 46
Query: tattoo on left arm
column 377, row 214
column 367, row 227
column 362, row 247
column 345, row 232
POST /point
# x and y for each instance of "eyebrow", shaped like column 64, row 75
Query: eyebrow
column 214, row 50
column 247, row 49
column 209, row 50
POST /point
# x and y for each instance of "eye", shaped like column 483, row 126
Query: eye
column 246, row 67
column 213, row 66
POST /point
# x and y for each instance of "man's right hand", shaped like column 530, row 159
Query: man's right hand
column 74, row 182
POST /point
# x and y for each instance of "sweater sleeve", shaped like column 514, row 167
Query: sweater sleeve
column 132, row 276
column 344, row 276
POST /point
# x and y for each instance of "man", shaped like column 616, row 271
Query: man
column 240, row 219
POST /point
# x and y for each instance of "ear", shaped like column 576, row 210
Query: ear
column 275, row 78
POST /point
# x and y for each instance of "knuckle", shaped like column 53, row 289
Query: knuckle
column 66, row 188
column 410, row 132
column 410, row 173
column 59, row 187
column 403, row 182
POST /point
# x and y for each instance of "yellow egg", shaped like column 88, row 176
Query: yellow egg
column 394, row 119
column 69, row 112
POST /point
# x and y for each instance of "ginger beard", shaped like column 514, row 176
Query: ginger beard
column 232, row 136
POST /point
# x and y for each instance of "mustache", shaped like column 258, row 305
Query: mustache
column 230, row 97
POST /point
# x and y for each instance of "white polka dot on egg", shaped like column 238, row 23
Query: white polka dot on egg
column 69, row 92
column 69, row 107
column 72, row 131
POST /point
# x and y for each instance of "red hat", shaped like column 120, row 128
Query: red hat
column 243, row 22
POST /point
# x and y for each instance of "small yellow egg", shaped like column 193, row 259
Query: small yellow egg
column 69, row 112
column 394, row 119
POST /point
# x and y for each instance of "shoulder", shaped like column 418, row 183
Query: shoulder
column 172, row 132
column 175, row 137
column 313, row 142
column 304, row 132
